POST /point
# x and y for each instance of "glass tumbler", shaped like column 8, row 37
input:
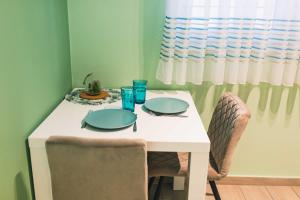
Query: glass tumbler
column 139, row 88
column 127, row 98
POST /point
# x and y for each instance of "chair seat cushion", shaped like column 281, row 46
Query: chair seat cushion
column 163, row 164
column 184, row 163
column 184, row 167
column 167, row 164
column 174, row 164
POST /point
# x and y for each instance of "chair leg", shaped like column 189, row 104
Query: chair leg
column 215, row 190
column 159, row 187
column 150, row 183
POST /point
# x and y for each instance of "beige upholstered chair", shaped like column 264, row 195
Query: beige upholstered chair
column 228, row 122
column 93, row 169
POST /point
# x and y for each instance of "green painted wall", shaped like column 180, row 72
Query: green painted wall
column 35, row 74
column 103, row 40
column 120, row 41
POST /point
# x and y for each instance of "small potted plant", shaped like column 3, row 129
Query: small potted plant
column 93, row 87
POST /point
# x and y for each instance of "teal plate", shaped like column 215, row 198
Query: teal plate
column 166, row 105
column 110, row 118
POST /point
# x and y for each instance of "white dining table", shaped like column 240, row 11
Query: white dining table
column 162, row 133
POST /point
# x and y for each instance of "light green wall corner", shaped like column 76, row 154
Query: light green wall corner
column 35, row 74
column 269, row 145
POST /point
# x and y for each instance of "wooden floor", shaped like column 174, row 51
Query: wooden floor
column 239, row 192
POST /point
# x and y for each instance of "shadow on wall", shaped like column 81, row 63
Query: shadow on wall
column 30, row 168
column 267, row 93
column 20, row 188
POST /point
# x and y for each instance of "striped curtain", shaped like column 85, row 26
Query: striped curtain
column 232, row 41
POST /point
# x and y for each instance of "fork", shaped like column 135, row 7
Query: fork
column 134, row 125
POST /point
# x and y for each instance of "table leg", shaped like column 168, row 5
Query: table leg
column 198, row 164
column 41, row 174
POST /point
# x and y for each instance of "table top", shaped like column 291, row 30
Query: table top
column 162, row 133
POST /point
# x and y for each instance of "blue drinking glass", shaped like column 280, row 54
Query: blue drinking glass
column 127, row 98
column 139, row 89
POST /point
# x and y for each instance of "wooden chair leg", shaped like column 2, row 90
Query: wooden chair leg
column 215, row 190
column 159, row 187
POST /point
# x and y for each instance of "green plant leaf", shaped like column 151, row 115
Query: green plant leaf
column 86, row 77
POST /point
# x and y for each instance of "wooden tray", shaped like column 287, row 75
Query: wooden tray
column 102, row 95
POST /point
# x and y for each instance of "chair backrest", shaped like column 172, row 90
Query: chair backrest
column 228, row 122
column 93, row 169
